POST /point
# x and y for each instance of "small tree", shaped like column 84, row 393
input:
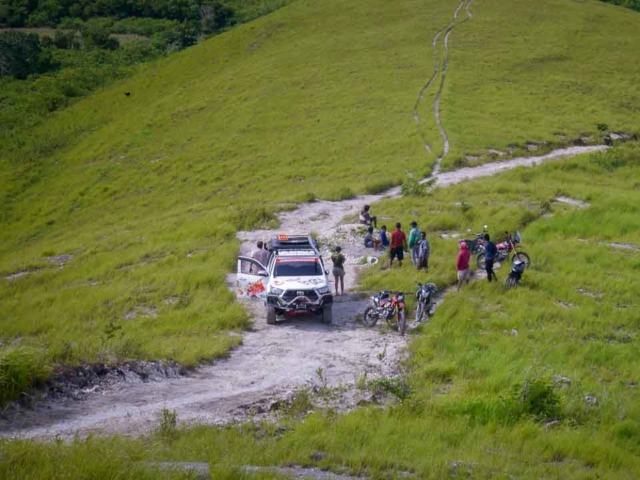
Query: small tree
column 21, row 55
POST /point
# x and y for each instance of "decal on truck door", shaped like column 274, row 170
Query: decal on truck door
column 249, row 282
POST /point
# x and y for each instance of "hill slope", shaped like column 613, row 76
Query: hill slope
column 145, row 192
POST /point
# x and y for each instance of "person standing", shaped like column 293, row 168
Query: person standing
column 423, row 252
column 260, row 254
column 384, row 239
column 462, row 264
column 414, row 243
column 338, row 269
column 490, row 252
column 398, row 245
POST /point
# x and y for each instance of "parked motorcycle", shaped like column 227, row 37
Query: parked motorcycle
column 389, row 306
column 517, row 269
column 424, row 295
column 476, row 245
column 510, row 244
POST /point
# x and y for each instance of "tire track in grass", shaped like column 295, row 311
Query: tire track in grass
column 440, row 69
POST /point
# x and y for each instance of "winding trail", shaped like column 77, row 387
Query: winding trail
column 273, row 361
column 440, row 68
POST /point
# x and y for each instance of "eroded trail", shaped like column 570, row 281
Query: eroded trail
column 440, row 70
column 273, row 360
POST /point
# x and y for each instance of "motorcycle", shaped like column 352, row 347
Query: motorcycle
column 510, row 244
column 425, row 294
column 389, row 306
column 517, row 269
column 476, row 245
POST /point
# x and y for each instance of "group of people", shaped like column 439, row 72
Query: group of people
column 397, row 242
column 464, row 256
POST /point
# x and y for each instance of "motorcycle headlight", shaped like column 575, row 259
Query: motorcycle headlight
column 323, row 290
column 275, row 291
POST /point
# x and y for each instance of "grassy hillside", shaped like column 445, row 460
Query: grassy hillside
column 539, row 382
column 146, row 191
column 543, row 71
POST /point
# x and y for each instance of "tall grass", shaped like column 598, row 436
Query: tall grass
column 20, row 368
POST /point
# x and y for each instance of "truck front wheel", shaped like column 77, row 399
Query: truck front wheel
column 271, row 315
column 327, row 314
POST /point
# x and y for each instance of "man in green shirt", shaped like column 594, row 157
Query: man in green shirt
column 414, row 243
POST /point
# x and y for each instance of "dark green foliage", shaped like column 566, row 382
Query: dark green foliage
column 536, row 398
column 21, row 55
column 396, row 386
column 632, row 4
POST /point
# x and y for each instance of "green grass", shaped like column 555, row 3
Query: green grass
column 551, row 68
column 482, row 401
column 313, row 101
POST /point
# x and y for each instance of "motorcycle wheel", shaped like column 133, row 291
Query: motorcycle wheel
column 369, row 318
column 480, row 261
column 524, row 257
column 429, row 309
column 420, row 307
column 402, row 322
column 510, row 282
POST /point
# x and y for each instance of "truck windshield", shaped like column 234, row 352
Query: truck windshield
column 298, row 269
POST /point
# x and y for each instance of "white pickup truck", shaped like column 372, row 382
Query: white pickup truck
column 294, row 279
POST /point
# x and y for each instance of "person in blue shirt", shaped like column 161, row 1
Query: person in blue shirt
column 384, row 239
column 490, row 252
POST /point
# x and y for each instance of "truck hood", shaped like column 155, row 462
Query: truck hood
column 299, row 283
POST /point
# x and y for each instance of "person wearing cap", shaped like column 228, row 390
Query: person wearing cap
column 338, row 269
column 462, row 264
column 414, row 243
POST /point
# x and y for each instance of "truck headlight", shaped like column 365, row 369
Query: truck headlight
column 275, row 291
column 323, row 290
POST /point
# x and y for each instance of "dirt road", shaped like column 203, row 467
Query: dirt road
column 273, row 361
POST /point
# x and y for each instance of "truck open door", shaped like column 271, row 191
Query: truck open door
column 251, row 279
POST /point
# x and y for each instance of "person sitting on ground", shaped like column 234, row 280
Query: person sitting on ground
column 384, row 239
column 370, row 240
column 366, row 218
column 398, row 245
column 338, row 269
column 462, row 264
column 423, row 252
column 260, row 254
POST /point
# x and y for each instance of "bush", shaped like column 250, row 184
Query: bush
column 412, row 187
column 536, row 398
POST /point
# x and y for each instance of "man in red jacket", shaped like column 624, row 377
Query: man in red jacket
column 462, row 264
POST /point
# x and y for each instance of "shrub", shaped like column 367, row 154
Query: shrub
column 412, row 187
column 536, row 398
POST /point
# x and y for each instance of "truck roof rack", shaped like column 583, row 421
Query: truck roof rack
column 293, row 242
